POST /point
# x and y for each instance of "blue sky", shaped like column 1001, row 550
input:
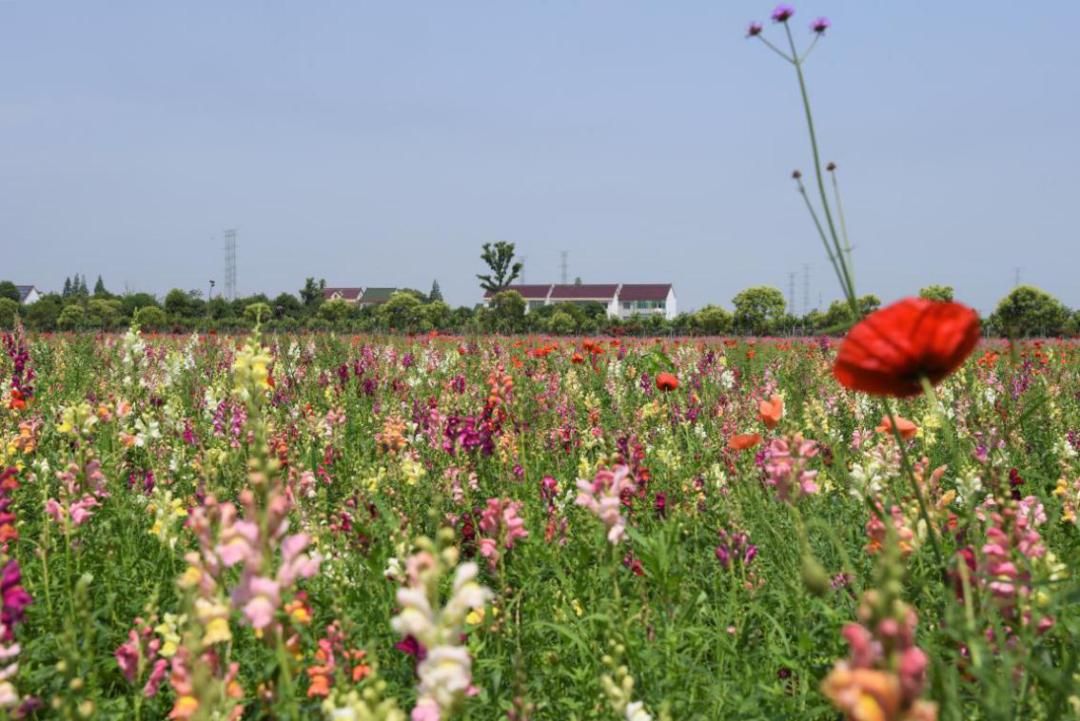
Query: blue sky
column 380, row 143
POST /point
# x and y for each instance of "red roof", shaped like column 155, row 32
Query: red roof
column 528, row 292
column 593, row 291
column 644, row 291
column 343, row 293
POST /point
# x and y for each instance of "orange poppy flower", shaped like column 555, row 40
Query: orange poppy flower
column 889, row 352
column 907, row 428
column 667, row 382
column 744, row 441
column 771, row 411
column 577, row 359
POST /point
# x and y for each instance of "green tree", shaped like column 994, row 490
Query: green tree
column 43, row 314
column 758, row 310
column 437, row 315
column 461, row 317
column 9, row 310
column 9, row 290
column 133, row 301
column 217, row 308
column 1072, row 328
column 312, row 292
column 813, row 321
column 712, row 320
column 67, row 288
column 178, row 303
column 287, row 305
column 403, row 312
column 150, row 317
column 104, row 312
column 561, row 323
column 335, row 311
column 1029, row 311
column 72, row 317
column 499, row 257
column 99, row 288
column 838, row 319
column 937, row 292
column 507, row 312
column 436, row 292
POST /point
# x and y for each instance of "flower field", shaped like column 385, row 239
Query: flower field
column 320, row 526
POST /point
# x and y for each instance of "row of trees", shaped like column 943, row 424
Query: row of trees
column 759, row 311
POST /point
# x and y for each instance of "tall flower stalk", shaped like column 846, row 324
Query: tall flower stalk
column 445, row 672
column 833, row 231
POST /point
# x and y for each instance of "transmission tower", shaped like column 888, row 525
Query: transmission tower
column 230, row 264
column 563, row 265
column 806, row 288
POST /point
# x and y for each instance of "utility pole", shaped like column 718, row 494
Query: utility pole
column 209, row 297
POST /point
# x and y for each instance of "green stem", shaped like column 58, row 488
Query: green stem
column 849, row 286
column 840, row 215
column 813, row 44
column 775, row 49
column 821, row 234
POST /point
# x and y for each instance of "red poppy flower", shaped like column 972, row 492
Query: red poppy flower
column 667, row 382
column 771, row 411
column 744, row 441
column 908, row 429
column 577, row 358
column 891, row 350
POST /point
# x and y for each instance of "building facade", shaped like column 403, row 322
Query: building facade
column 362, row 297
column 621, row 300
column 28, row 294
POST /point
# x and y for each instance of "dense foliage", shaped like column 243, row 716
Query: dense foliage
column 758, row 311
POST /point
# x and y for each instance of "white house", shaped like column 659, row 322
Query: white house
column 647, row 299
column 28, row 294
column 622, row 300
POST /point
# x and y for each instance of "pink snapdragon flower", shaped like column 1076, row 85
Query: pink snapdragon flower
column 502, row 525
column 885, row 672
column 786, row 461
column 603, row 496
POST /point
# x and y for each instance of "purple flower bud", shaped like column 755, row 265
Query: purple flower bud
column 754, row 30
column 820, row 25
column 782, row 13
